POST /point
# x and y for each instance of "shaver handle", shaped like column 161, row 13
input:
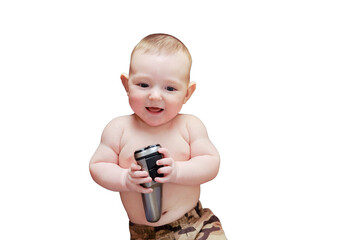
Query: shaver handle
column 152, row 203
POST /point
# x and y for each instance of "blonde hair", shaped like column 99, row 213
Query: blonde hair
column 161, row 43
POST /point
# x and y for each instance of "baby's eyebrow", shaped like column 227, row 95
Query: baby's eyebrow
column 140, row 77
column 171, row 81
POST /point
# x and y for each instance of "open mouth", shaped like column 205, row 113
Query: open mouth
column 154, row 109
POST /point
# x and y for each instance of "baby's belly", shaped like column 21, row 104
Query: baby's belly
column 177, row 200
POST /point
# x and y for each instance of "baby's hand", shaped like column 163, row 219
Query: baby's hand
column 168, row 167
column 135, row 177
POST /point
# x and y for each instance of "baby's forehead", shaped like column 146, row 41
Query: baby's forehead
column 141, row 56
column 157, row 53
column 176, row 64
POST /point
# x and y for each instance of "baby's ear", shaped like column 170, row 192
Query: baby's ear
column 125, row 81
column 190, row 91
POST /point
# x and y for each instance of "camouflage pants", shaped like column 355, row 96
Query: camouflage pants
column 198, row 223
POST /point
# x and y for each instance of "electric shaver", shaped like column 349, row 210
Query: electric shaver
column 152, row 202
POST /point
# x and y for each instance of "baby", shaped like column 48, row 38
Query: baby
column 158, row 85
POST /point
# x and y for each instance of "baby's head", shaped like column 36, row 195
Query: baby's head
column 161, row 44
column 159, row 78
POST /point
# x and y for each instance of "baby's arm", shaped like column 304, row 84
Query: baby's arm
column 204, row 161
column 104, row 165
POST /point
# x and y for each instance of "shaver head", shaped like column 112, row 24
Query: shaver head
column 143, row 152
column 147, row 157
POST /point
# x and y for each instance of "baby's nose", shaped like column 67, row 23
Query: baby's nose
column 155, row 95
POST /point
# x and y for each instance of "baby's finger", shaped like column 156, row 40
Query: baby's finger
column 141, row 180
column 141, row 189
column 162, row 179
column 165, row 162
column 134, row 167
column 140, row 174
column 165, row 170
column 135, row 183
column 146, row 190
column 137, row 176
column 164, row 151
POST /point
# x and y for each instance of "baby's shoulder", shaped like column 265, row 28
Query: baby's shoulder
column 113, row 131
column 190, row 120
column 118, row 122
column 116, row 125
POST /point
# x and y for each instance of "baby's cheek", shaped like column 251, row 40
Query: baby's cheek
column 136, row 103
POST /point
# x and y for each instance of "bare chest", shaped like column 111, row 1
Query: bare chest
column 174, row 140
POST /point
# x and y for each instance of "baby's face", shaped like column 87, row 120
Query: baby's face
column 158, row 86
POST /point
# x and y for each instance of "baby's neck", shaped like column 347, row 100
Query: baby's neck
column 140, row 124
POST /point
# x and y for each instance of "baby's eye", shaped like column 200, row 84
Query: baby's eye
column 170, row 89
column 143, row 85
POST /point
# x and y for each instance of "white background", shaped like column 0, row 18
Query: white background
column 278, row 89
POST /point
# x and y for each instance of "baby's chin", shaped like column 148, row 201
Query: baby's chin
column 156, row 121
